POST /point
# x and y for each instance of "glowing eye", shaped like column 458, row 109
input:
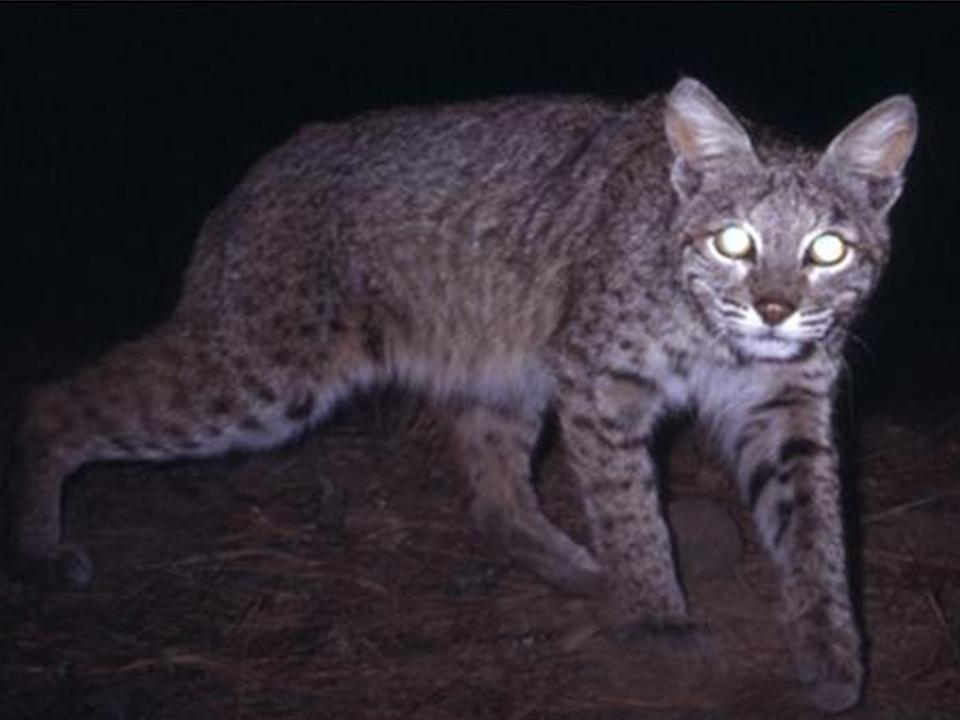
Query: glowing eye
column 734, row 242
column 827, row 249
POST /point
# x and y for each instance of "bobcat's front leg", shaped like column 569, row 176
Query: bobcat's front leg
column 788, row 473
column 607, row 427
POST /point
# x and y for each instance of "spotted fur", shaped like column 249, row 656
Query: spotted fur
column 510, row 257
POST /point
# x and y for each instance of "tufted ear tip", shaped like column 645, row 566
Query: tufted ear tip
column 688, row 87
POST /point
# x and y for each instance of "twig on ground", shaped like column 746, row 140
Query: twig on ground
column 905, row 507
column 942, row 619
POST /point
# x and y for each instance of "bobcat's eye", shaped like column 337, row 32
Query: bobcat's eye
column 827, row 249
column 734, row 242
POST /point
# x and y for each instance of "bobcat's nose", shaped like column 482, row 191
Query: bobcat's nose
column 773, row 311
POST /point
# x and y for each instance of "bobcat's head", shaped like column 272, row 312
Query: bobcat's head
column 781, row 245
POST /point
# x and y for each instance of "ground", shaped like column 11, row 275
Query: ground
column 340, row 578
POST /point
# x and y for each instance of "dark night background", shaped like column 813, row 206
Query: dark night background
column 336, row 578
column 122, row 126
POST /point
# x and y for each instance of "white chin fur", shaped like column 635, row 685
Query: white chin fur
column 770, row 348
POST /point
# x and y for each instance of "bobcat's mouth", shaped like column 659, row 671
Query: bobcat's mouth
column 752, row 336
column 771, row 346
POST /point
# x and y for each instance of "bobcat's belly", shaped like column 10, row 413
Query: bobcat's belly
column 506, row 378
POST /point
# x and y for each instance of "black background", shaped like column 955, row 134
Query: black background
column 122, row 126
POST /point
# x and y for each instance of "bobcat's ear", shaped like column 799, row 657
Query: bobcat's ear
column 705, row 137
column 871, row 153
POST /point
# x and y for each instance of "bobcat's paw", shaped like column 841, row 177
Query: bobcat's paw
column 832, row 685
column 576, row 576
column 670, row 631
column 565, row 565
column 63, row 566
column 669, row 637
column 835, row 696
column 829, row 664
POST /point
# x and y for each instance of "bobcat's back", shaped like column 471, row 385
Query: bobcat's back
column 463, row 228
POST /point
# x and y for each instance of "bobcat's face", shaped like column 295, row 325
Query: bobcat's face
column 779, row 248
column 780, row 265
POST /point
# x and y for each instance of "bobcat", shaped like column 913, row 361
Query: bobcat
column 609, row 263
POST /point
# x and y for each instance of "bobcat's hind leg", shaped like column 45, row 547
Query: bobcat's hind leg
column 497, row 447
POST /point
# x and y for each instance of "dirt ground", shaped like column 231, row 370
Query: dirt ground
column 340, row 578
